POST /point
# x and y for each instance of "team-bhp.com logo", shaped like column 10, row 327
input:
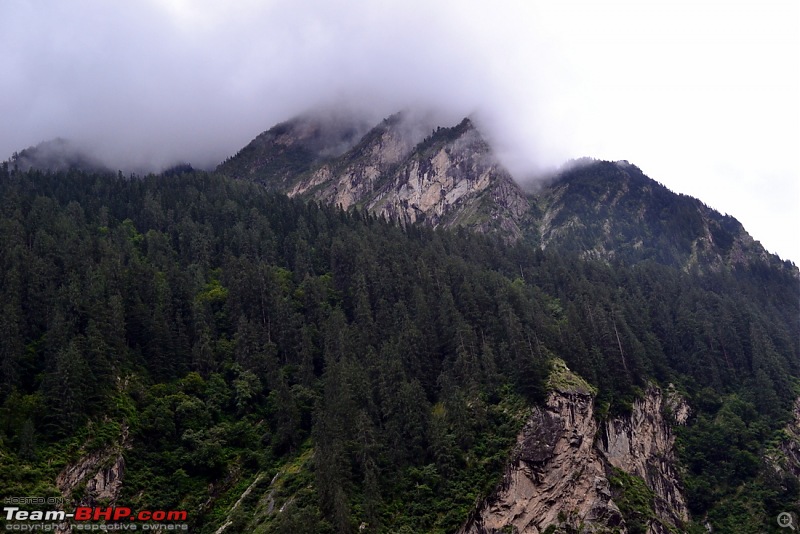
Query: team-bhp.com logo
column 117, row 515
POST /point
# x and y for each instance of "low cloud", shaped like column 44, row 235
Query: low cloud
column 680, row 94
column 158, row 82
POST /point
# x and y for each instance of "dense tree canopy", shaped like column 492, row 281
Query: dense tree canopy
column 382, row 372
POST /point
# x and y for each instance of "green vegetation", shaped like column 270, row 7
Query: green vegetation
column 441, row 137
column 619, row 213
column 727, row 478
column 381, row 373
column 562, row 379
column 635, row 500
column 278, row 163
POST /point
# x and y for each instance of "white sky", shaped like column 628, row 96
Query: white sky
column 702, row 95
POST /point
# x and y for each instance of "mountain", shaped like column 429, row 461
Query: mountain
column 57, row 155
column 599, row 209
column 450, row 178
column 613, row 211
column 598, row 355
column 277, row 157
column 61, row 155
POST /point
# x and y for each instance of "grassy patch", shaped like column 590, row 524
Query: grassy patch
column 562, row 379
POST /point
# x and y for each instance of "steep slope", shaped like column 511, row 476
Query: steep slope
column 348, row 180
column 277, row 157
column 57, row 155
column 451, row 178
column 573, row 473
column 596, row 209
column 282, row 366
column 612, row 211
column 786, row 457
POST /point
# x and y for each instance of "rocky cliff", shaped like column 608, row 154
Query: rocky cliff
column 565, row 472
column 452, row 177
column 641, row 444
column 449, row 178
column 785, row 458
column 453, row 180
column 96, row 477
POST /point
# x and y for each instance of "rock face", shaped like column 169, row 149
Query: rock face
column 407, row 172
column 450, row 178
column 786, row 459
column 641, row 444
column 455, row 182
column 559, row 472
column 556, row 476
column 102, row 472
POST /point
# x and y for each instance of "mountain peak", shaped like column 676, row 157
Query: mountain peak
column 294, row 147
column 57, row 154
column 613, row 211
column 407, row 171
column 447, row 178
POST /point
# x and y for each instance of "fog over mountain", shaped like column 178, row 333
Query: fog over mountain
column 701, row 96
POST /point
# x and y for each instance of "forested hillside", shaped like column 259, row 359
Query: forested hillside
column 353, row 374
column 611, row 210
column 454, row 178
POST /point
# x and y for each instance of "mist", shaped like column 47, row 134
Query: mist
column 149, row 84
column 697, row 95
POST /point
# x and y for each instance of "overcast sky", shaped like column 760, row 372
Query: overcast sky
column 702, row 95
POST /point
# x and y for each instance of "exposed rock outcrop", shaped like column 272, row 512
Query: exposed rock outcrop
column 560, row 469
column 555, row 477
column 791, row 445
column 95, row 479
column 641, row 444
column 102, row 474
column 100, row 471
column 450, row 179
column 608, row 211
column 353, row 178
column 786, row 457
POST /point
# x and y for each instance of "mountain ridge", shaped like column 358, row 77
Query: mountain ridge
column 452, row 177
column 56, row 155
column 339, row 157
